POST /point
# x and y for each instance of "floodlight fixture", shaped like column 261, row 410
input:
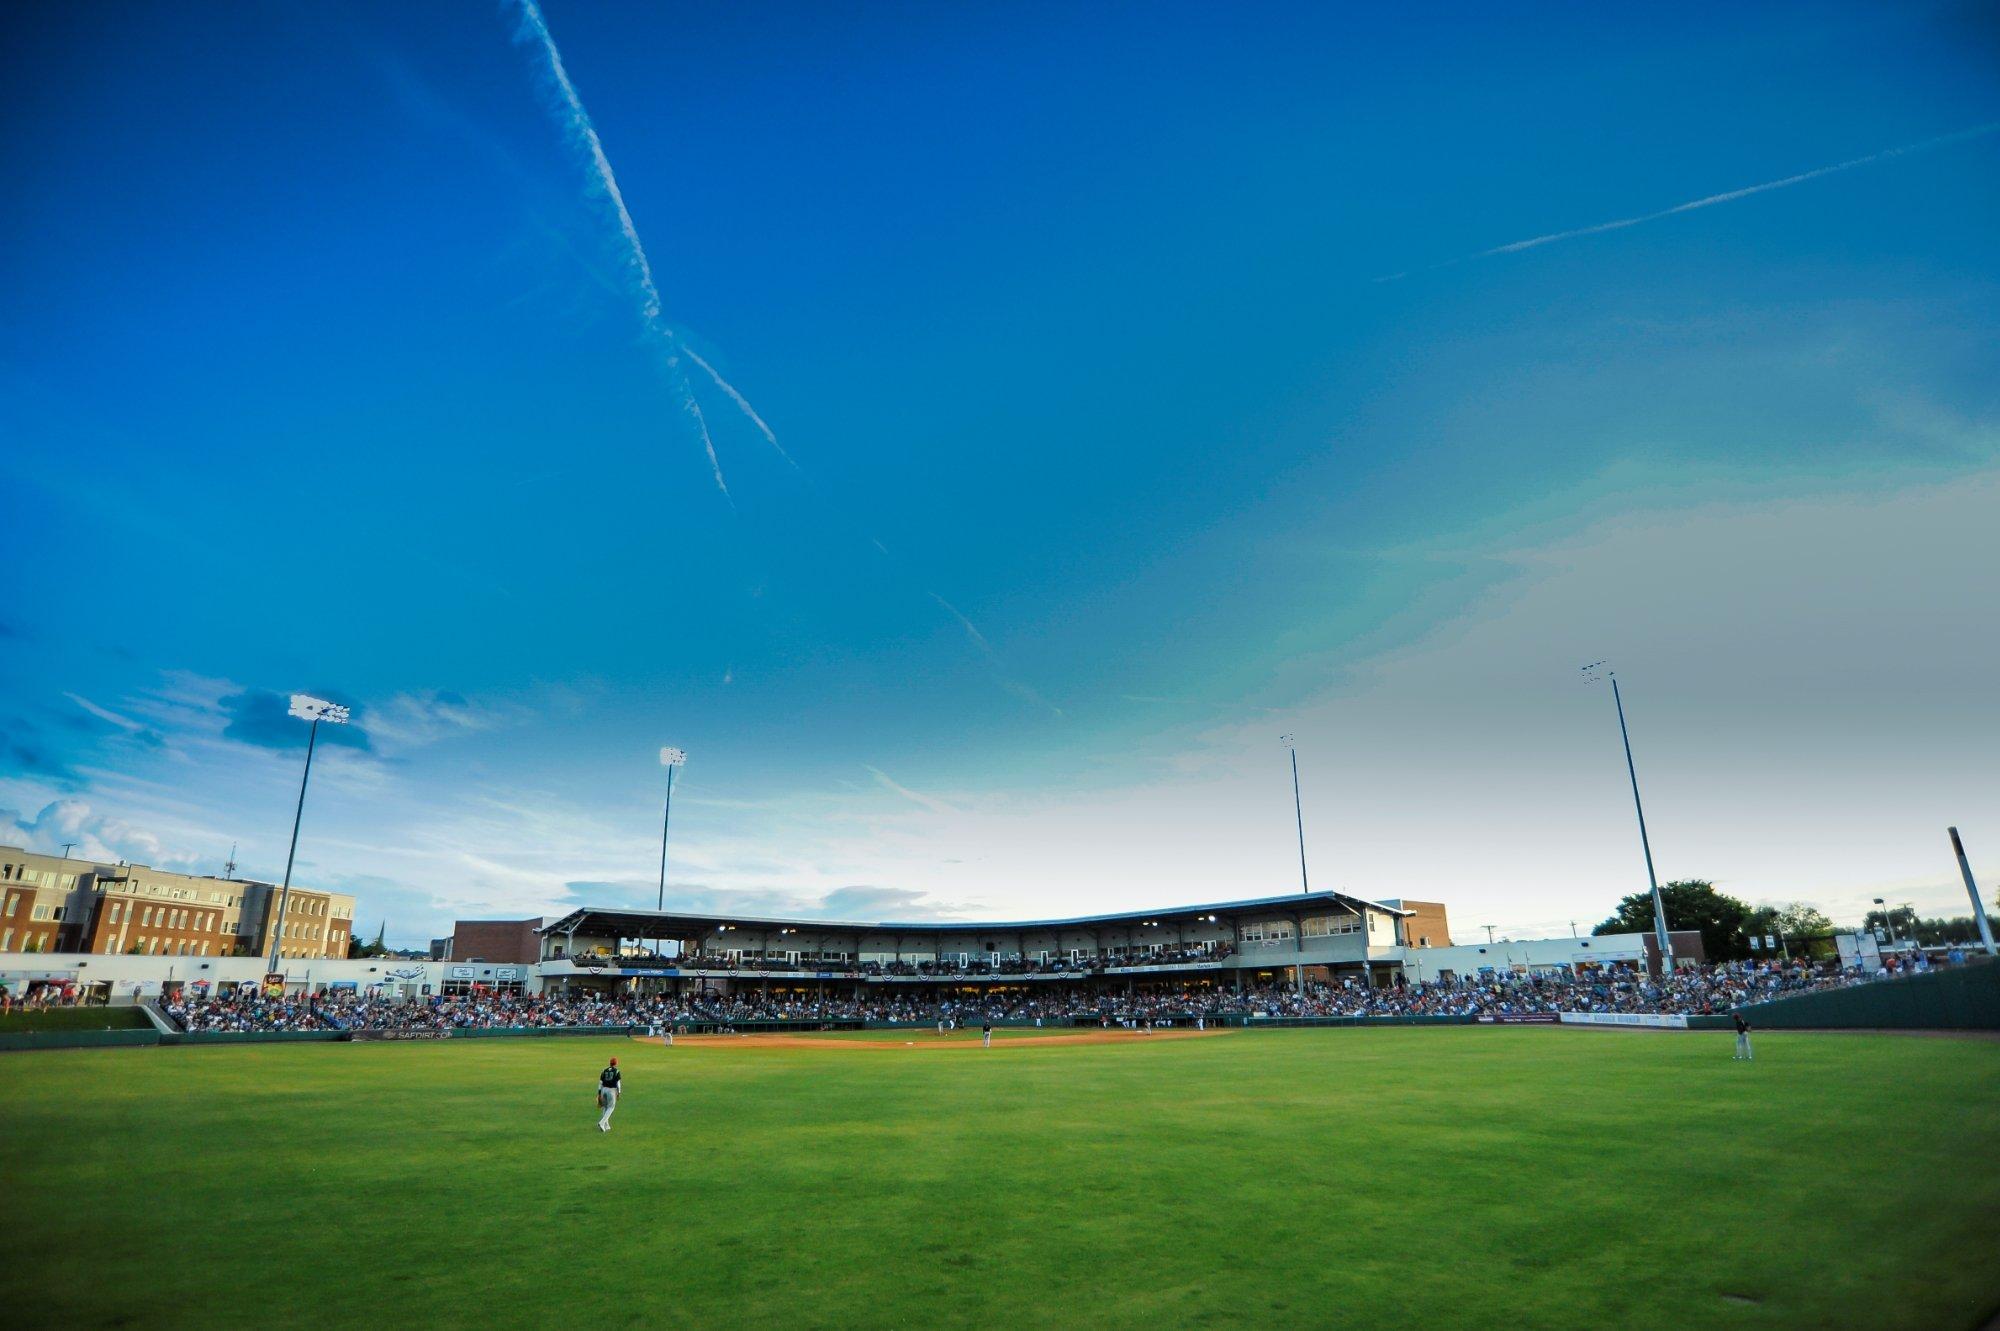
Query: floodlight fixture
column 308, row 708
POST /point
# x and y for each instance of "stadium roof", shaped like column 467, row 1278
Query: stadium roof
column 601, row 920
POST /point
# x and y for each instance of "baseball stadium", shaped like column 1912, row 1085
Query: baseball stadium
column 1313, row 1109
column 843, row 666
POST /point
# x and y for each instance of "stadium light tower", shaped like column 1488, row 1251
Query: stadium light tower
column 670, row 758
column 1298, row 811
column 1972, row 890
column 1591, row 672
column 306, row 708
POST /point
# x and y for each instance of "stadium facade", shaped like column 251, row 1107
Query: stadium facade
column 1293, row 940
column 1300, row 939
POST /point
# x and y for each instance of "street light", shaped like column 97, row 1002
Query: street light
column 306, row 708
column 1888, row 921
column 1659, row 905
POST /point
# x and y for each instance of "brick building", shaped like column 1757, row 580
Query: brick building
column 1426, row 924
column 52, row 904
column 514, row 941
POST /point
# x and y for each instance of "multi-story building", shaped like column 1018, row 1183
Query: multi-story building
column 1427, row 924
column 49, row 904
column 316, row 924
column 140, row 911
column 39, row 898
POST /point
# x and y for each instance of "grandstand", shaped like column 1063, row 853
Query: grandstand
column 1311, row 938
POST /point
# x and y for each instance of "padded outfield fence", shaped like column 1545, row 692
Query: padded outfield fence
column 1959, row 998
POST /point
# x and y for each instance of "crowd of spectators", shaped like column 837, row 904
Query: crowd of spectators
column 247, row 1010
column 1715, row 989
column 937, row 968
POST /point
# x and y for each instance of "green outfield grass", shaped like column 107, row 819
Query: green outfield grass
column 1298, row 1178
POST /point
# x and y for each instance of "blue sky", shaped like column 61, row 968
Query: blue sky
column 1152, row 392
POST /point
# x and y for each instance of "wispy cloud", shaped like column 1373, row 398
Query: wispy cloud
column 1711, row 200
column 105, row 713
column 915, row 797
column 582, row 135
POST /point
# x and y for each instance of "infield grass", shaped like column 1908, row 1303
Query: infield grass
column 1293, row 1178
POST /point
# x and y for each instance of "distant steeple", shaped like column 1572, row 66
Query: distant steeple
column 381, row 933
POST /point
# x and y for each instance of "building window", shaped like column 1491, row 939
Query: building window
column 7, row 939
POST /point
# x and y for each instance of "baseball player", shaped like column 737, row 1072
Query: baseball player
column 608, row 1082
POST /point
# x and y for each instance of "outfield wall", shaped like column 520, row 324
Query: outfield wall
column 1962, row 998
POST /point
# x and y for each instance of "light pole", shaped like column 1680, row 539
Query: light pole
column 306, row 708
column 1659, row 905
column 670, row 758
column 1298, row 812
column 1972, row 890
column 1888, row 922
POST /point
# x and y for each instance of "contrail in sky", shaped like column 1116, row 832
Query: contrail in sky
column 1709, row 201
column 742, row 405
column 582, row 134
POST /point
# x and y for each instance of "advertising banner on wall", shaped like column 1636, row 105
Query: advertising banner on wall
column 402, row 1035
column 1654, row 1020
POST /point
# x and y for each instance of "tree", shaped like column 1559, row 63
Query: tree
column 1931, row 932
column 1899, row 920
column 1803, row 930
column 1691, row 903
column 1800, row 920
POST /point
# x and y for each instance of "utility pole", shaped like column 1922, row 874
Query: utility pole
column 1489, row 934
column 68, row 846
